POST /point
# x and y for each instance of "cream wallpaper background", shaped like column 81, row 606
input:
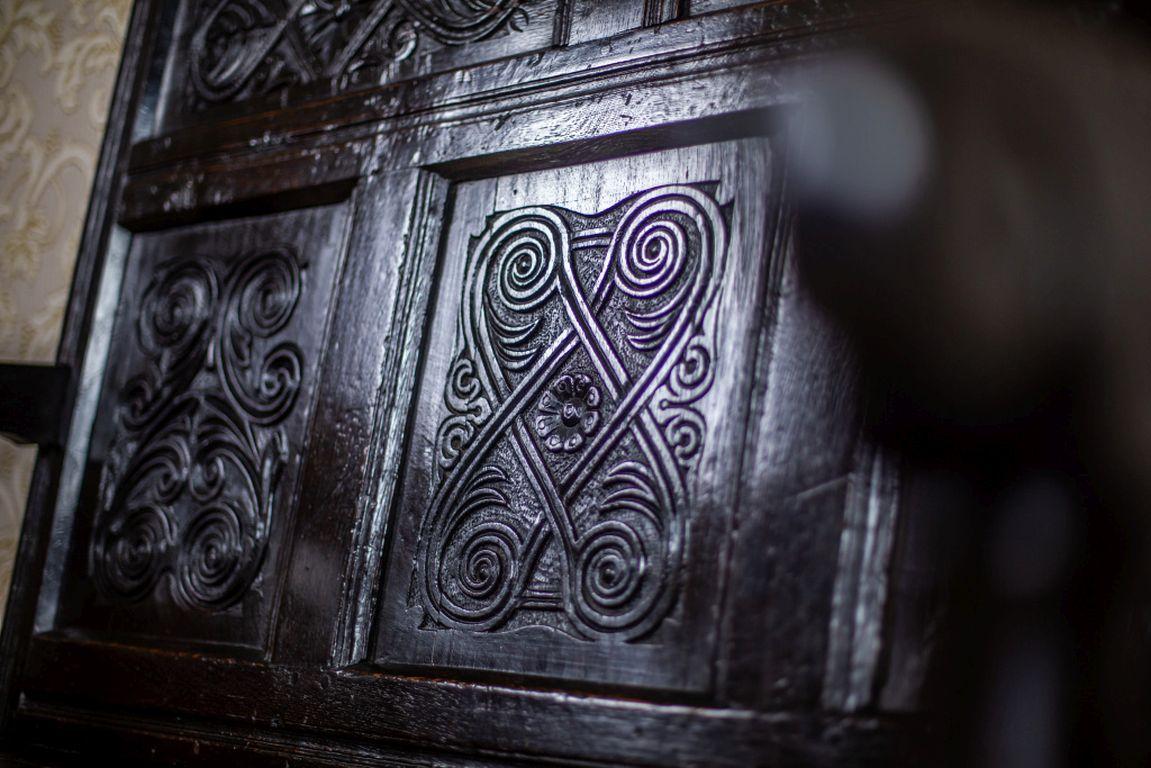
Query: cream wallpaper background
column 58, row 62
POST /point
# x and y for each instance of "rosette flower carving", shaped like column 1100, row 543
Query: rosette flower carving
column 568, row 413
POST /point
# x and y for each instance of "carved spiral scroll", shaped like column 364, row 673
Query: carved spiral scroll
column 189, row 489
column 570, row 427
column 469, row 409
column 173, row 328
column 230, row 44
column 267, row 291
column 611, row 567
column 456, row 22
column 134, row 549
column 476, row 567
column 212, row 553
column 652, row 255
column 514, row 285
column 243, row 48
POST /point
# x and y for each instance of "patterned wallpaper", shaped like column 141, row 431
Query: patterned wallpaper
column 58, row 63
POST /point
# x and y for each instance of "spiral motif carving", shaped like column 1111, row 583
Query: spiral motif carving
column 469, row 409
column 487, row 564
column 212, row 557
column 652, row 254
column 190, row 484
column 692, row 376
column 586, row 345
column 173, row 327
column 165, row 465
column 689, row 381
column 610, row 570
column 514, row 279
column 527, row 250
column 221, row 450
column 228, row 46
column 134, row 551
column 140, row 396
column 454, row 435
column 176, row 309
column 244, row 48
column 277, row 384
column 475, row 568
column 685, row 431
column 463, row 386
column 456, row 22
column 265, row 294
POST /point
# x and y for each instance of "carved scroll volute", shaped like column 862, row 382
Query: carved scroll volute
column 192, row 480
column 472, row 543
column 456, row 22
column 570, row 427
column 232, row 42
column 242, row 48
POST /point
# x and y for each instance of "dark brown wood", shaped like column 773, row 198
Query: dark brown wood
column 129, row 117
column 446, row 396
column 31, row 402
column 204, row 416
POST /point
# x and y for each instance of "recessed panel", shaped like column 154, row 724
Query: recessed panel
column 201, row 430
column 567, row 491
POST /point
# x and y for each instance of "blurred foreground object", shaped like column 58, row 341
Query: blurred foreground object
column 976, row 213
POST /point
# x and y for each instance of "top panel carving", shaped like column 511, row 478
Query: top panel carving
column 237, row 50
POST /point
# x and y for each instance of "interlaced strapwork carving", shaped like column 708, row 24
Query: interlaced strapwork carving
column 190, row 485
column 565, row 459
column 245, row 48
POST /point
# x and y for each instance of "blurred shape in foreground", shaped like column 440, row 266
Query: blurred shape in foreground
column 976, row 213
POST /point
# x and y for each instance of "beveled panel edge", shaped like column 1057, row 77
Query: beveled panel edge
column 713, row 40
column 263, row 185
column 364, row 571
column 362, row 707
column 514, row 133
column 388, row 435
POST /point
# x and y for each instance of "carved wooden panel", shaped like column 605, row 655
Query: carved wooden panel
column 567, row 485
column 445, row 393
column 215, row 358
column 239, row 49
